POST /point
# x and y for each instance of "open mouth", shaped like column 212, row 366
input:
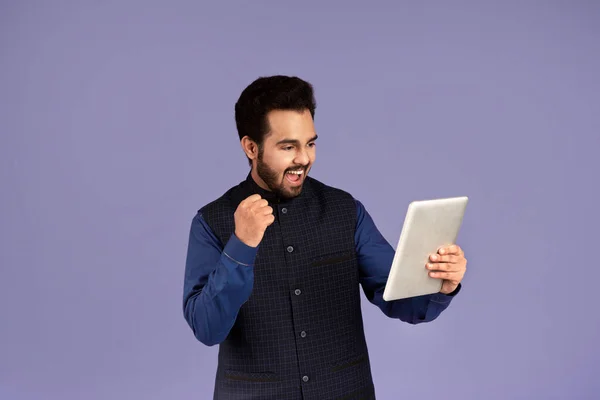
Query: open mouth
column 295, row 177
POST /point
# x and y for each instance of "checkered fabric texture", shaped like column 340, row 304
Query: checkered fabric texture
column 300, row 334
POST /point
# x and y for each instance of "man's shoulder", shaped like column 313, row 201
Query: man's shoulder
column 221, row 203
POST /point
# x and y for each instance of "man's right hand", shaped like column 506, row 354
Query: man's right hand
column 252, row 217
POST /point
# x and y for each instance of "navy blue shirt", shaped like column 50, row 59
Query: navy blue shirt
column 219, row 279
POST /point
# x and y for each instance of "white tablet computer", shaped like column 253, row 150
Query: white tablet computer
column 428, row 225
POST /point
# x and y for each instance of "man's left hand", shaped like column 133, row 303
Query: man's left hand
column 449, row 264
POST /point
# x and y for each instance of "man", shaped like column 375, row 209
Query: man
column 275, row 265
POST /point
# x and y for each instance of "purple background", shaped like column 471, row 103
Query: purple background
column 116, row 121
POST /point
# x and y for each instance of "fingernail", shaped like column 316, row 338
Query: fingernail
column 442, row 251
column 434, row 257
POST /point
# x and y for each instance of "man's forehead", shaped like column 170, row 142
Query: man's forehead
column 289, row 125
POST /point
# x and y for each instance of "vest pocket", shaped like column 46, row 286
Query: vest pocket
column 349, row 362
column 258, row 377
column 332, row 258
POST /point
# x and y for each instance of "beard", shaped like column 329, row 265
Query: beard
column 276, row 181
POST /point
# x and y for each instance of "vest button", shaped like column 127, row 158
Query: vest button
column 305, row 378
column 297, row 292
column 290, row 249
column 284, row 210
column 303, row 334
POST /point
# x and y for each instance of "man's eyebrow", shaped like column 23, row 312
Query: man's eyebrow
column 295, row 141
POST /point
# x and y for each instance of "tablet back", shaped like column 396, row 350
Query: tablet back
column 428, row 225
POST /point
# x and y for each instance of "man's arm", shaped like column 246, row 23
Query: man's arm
column 375, row 256
column 218, row 281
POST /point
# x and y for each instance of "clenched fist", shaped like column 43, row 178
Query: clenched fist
column 252, row 217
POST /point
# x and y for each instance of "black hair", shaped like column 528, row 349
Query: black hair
column 266, row 94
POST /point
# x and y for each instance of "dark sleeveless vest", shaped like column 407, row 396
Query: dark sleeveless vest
column 300, row 334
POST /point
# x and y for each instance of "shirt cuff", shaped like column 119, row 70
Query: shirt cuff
column 239, row 251
column 446, row 298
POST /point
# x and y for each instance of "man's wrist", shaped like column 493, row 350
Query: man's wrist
column 453, row 292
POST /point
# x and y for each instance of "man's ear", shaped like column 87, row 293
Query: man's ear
column 250, row 147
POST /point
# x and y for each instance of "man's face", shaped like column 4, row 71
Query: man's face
column 287, row 152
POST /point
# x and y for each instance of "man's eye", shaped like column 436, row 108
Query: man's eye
column 288, row 148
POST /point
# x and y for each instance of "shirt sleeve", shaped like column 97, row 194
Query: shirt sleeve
column 375, row 256
column 218, row 281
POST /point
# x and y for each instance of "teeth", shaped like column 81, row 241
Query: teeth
column 295, row 172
